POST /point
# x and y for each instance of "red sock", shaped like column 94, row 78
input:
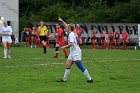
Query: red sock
column 65, row 52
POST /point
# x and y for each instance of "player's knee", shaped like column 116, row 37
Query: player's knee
column 68, row 66
column 57, row 49
column 80, row 66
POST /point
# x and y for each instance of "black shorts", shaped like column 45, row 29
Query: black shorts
column 42, row 38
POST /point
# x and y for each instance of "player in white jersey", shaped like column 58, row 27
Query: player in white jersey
column 75, row 54
column 6, row 32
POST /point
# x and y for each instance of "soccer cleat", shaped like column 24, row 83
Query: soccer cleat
column 89, row 81
column 66, row 56
column 9, row 57
column 61, row 80
column 4, row 57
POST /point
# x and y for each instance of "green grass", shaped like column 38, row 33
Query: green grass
column 29, row 71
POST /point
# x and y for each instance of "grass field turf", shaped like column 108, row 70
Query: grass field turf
column 29, row 71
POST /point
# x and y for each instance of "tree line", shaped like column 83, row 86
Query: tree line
column 95, row 11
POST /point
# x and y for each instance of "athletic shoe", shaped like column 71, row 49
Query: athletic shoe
column 89, row 81
column 61, row 80
column 66, row 56
column 9, row 57
column 4, row 57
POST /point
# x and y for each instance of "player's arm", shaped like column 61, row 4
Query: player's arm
column 67, row 46
column 72, row 37
column 65, row 24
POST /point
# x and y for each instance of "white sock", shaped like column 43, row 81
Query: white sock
column 8, row 52
column 87, row 74
column 66, row 75
column 5, row 52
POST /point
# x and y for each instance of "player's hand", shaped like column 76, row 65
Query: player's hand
column 63, row 47
column 60, row 19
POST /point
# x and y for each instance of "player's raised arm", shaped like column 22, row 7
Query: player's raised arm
column 65, row 24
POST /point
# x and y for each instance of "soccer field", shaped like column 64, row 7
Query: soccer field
column 29, row 71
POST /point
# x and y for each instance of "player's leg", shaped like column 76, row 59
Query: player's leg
column 124, row 44
column 64, row 50
column 67, row 71
column 115, row 41
column 28, row 41
column 38, row 42
column 93, row 44
column 79, row 64
column 5, row 49
column 84, row 70
column 56, row 51
column 65, row 53
column 43, row 42
column 48, row 42
column 44, row 47
column 8, row 50
column 32, row 41
column 118, row 44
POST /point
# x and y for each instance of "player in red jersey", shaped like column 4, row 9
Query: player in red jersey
column 93, row 39
column 26, row 32
column 111, row 39
column 125, row 39
column 34, row 36
column 60, row 41
column 117, row 39
column 78, row 31
column 103, row 39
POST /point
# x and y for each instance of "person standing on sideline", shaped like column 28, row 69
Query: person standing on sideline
column 111, row 39
column 93, row 40
column 75, row 53
column 6, row 32
column 117, row 39
column 43, row 31
column 125, row 37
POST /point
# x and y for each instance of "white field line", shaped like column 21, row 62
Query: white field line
column 32, row 65
column 94, row 61
column 39, row 58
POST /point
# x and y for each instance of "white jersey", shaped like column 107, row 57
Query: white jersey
column 6, row 30
column 75, row 49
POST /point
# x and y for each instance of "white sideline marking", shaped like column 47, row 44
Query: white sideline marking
column 93, row 60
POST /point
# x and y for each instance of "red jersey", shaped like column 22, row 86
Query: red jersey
column 93, row 36
column 60, row 38
column 34, row 32
column 78, row 30
column 125, row 36
column 111, row 36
